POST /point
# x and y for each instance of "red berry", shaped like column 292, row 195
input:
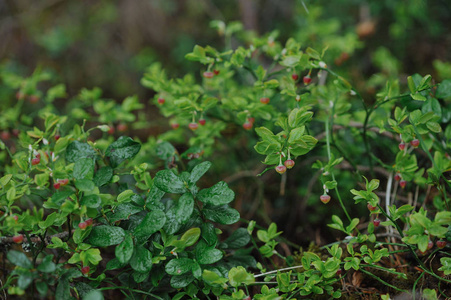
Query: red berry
column 18, row 239
column 307, row 79
column 441, row 244
column 82, row 225
column 289, row 163
column 251, row 119
column 264, row 100
column 247, row 125
column 415, row 143
column 33, row 98
column 175, row 125
column 16, row 218
column 430, row 245
column 402, row 146
column 63, row 181
column 111, row 130
column 35, row 161
column 402, row 183
column 281, row 169
column 371, row 208
column 339, row 272
column 121, row 127
column 57, row 137
column 57, row 185
column 89, row 222
column 216, row 72
column 16, row 132
column 324, row 198
column 193, row 126
column 161, row 101
column 202, row 122
column 85, row 270
column 398, row 177
column 39, row 155
column 5, row 135
column 376, row 222
column 295, row 77
column 208, row 74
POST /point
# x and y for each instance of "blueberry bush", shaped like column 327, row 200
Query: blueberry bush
column 91, row 208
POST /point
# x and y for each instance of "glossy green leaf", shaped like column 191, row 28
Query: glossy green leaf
column 179, row 266
column 122, row 149
column 206, row 255
column 221, row 214
column 47, row 265
column 181, row 281
column 198, row 171
column 77, row 150
column 218, row 194
column 167, row 181
column 124, row 250
column 84, row 185
column 104, row 236
column 141, row 260
column 84, row 168
column 92, row 201
column 151, row 223
column 103, row 176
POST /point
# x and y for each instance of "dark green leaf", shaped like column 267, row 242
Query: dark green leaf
column 167, row 181
column 114, row 264
column 19, row 259
column 198, row 171
column 122, row 149
column 103, row 176
column 141, row 260
column 59, row 197
column 42, row 288
column 209, row 234
column 84, row 168
column 25, row 279
column 124, row 250
column 238, row 239
column 154, row 197
column 165, row 150
column 47, row 265
column 84, row 185
column 151, row 223
column 92, row 201
column 182, row 281
column 206, row 255
column 444, row 89
column 179, row 266
column 123, row 212
column 221, row 214
column 76, row 151
column 104, row 236
column 184, row 207
column 218, row 194
column 63, row 289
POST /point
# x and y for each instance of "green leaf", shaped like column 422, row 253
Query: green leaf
column 77, row 150
column 91, row 256
column 122, row 149
column 179, row 266
column 123, row 212
column 93, row 295
column 151, row 223
column 411, row 85
column 191, row 236
column 218, row 194
column 141, row 260
column 84, row 168
column 221, row 214
column 92, row 201
column 182, row 281
column 239, row 275
column 206, row 255
column 198, row 171
column 444, row 89
column 63, row 289
column 84, row 185
column 124, row 250
column 167, row 181
column 19, row 259
column 418, row 97
column 47, row 265
column 291, row 60
column 104, row 236
column 238, row 239
column 154, row 197
column 184, row 208
column 103, row 176
column 125, row 196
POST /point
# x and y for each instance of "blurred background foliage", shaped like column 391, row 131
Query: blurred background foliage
column 110, row 43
